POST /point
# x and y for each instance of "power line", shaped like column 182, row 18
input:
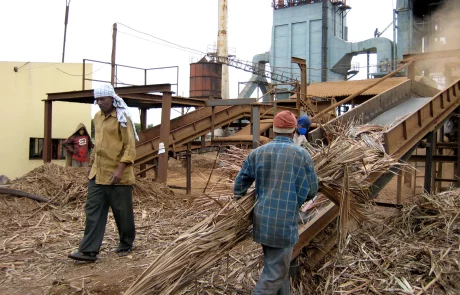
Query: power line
column 166, row 41
column 156, row 42
column 76, row 75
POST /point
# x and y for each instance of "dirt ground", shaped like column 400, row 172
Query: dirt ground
column 35, row 240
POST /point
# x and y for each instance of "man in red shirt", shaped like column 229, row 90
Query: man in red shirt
column 78, row 145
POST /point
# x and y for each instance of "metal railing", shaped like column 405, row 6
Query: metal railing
column 277, row 4
column 118, row 82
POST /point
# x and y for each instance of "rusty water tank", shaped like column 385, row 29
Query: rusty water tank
column 205, row 79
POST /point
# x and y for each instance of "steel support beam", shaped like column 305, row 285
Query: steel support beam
column 429, row 162
column 47, row 140
column 255, row 126
column 457, row 166
column 189, row 169
column 431, row 55
column 119, row 90
column 164, row 137
column 229, row 102
column 314, row 227
column 143, row 128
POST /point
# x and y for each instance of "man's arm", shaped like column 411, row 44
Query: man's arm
column 244, row 179
column 68, row 145
column 307, row 182
column 129, row 151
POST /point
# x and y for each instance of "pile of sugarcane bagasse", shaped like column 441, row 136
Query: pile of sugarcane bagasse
column 415, row 251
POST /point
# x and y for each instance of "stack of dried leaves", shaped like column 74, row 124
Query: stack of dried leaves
column 65, row 185
column 36, row 237
column 197, row 249
column 416, row 252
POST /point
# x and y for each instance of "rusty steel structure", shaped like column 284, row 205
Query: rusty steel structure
column 423, row 124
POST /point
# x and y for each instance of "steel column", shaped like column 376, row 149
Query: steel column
column 430, row 142
column 212, row 121
column 143, row 127
column 255, row 126
column 47, row 144
column 189, row 169
column 164, row 136
column 457, row 166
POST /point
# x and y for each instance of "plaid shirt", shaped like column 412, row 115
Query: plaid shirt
column 285, row 178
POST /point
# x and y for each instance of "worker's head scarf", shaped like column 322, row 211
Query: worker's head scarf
column 119, row 104
column 284, row 122
column 303, row 123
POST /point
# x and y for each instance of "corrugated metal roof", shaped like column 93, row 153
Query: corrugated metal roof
column 346, row 88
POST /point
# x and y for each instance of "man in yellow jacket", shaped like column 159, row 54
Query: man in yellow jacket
column 111, row 176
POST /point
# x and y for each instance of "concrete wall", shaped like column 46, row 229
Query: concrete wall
column 23, row 110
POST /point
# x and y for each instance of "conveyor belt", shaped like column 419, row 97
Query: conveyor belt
column 415, row 117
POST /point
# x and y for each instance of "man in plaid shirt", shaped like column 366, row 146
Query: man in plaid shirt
column 284, row 179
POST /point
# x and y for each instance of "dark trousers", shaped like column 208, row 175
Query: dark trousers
column 100, row 198
column 274, row 279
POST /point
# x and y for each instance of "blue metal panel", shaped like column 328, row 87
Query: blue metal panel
column 281, row 49
column 298, row 44
column 314, row 60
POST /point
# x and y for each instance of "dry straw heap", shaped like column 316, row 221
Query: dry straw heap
column 200, row 247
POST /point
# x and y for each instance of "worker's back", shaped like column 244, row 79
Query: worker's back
column 284, row 177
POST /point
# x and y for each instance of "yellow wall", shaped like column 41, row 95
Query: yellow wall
column 22, row 115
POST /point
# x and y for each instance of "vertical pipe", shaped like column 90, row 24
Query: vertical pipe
column 143, row 127
column 47, row 150
column 164, row 136
column 222, row 45
column 66, row 20
column 114, row 48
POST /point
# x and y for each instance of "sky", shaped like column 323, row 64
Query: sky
column 33, row 31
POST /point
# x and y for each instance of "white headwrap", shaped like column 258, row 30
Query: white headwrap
column 119, row 104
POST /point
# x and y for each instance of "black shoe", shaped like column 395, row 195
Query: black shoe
column 83, row 256
column 123, row 252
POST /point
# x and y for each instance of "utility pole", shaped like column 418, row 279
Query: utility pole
column 66, row 20
column 114, row 49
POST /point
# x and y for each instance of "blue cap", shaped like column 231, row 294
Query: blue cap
column 304, row 121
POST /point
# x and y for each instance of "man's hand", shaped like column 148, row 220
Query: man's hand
column 88, row 170
column 117, row 174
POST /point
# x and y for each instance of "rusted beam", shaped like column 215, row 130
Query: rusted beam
column 189, row 169
column 189, row 102
column 431, row 55
column 403, row 136
column 351, row 97
column 314, row 227
column 164, row 137
column 147, row 150
column 143, row 128
column 119, row 90
column 47, row 144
